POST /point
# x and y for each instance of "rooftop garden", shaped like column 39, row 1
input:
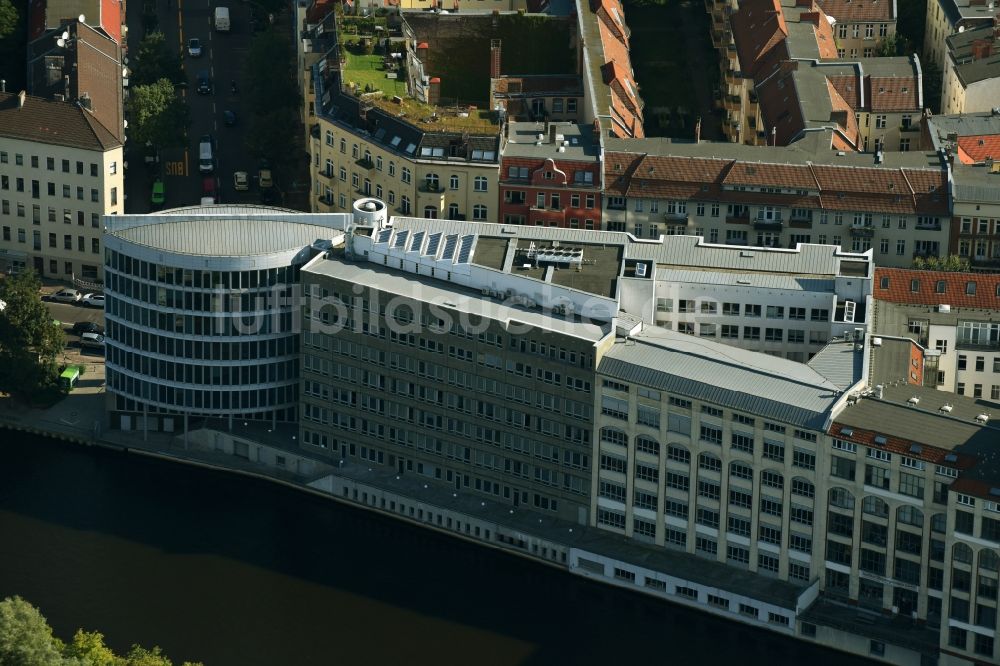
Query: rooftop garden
column 370, row 72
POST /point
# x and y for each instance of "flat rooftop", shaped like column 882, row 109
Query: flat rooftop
column 577, row 143
column 449, row 296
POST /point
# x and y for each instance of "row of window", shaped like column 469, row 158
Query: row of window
column 67, row 190
column 52, row 214
column 50, row 164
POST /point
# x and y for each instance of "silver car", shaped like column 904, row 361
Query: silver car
column 67, row 296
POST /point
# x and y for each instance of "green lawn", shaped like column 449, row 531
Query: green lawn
column 367, row 69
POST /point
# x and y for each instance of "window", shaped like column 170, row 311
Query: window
column 911, row 484
column 479, row 184
column 842, row 468
column 479, row 213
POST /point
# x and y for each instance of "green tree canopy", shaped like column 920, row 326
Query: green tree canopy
column 8, row 18
column 952, row 263
column 159, row 116
column 156, row 60
column 29, row 342
column 269, row 69
column 26, row 639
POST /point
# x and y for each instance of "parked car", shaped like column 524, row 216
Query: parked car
column 159, row 195
column 67, row 296
column 264, row 179
column 209, row 194
column 229, row 118
column 92, row 341
column 81, row 327
column 194, row 47
column 94, row 300
column 241, row 181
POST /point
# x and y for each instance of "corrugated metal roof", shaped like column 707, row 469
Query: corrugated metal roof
column 222, row 236
column 839, row 362
column 755, row 280
column 746, row 381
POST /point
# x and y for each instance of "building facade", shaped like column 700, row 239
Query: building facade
column 202, row 313
column 972, row 70
column 554, row 181
column 948, row 17
column 860, row 27
column 898, row 208
column 60, row 172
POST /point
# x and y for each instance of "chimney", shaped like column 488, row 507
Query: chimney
column 86, row 102
column 697, row 130
column 496, row 17
column 20, row 99
column 981, row 48
column 553, row 130
column 434, row 91
column 546, row 127
column 422, row 51
column 494, row 58
column 597, row 130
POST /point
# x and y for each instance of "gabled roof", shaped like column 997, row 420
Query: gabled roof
column 759, row 32
column 53, row 122
column 45, row 15
column 854, row 11
column 915, row 287
column 975, row 149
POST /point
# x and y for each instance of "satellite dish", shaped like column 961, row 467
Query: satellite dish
column 61, row 42
column 126, row 123
column 65, row 34
column 82, row 18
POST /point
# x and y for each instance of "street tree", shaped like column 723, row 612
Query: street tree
column 29, row 342
column 156, row 60
column 269, row 67
column 271, row 134
column 953, row 263
column 158, row 115
column 8, row 18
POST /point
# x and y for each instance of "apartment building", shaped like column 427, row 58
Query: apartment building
column 788, row 75
column 550, row 175
column 61, row 169
column 860, row 26
column 948, row 17
column 896, row 204
column 952, row 316
column 47, row 18
column 972, row 70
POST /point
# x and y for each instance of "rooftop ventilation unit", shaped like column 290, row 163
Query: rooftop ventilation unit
column 946, row 408
column 915, row 400
column 556, row 255
column 982, row 419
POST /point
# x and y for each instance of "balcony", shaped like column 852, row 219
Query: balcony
column 928, row 227
column 800, row 223
column 862, row 231
column 739, row 218
column 771, row 221
column 431, row 187
column 365, row 163
column 731, row 102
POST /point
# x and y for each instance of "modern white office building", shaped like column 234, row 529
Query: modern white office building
column 201, row 312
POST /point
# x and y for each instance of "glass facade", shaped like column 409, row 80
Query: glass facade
column 201, row 342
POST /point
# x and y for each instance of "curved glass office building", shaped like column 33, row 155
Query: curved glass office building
column 202, row 312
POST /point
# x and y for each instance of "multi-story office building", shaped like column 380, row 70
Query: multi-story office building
column 860, row 27
column 61, row 169
column 896, row 205
column 554, row 180
column 972, row 70
column 952, row 316
column 202, row 313
column 949, row 17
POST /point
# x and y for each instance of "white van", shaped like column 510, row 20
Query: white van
column 222, row 19
column 206, row 163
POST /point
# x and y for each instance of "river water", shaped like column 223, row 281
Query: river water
column 234, row 571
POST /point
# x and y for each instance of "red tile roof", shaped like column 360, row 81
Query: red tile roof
column 892, row 93
column 929, row 286
column 796, row 176
column 928, row 452
column 853, row 11
column 847, row 87
column 759, row 31
column 975, row 149
column 779, row 104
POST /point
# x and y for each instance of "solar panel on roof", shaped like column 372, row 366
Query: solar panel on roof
column 466, row 249
column 401, row 239
column 450, row 241
column 433, row 242
column 384, row 236
column 418, row 239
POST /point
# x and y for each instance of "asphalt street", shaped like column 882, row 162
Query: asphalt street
column 222, row 57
